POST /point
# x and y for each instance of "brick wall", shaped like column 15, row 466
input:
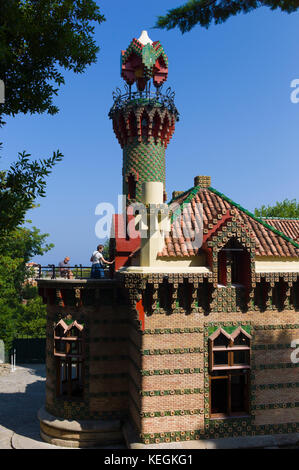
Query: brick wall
column 175, row 385
column 106, row 360
column 159, row 376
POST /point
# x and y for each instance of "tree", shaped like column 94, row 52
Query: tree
column 20, row 186
column 39, row 38
column 15, row 315
column 106, row 249
column 285, row 209
column 32, row 318
column 205, row 12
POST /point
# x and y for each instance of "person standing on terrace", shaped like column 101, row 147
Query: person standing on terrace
column 98, row 263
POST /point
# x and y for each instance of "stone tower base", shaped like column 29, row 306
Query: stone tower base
column 67, row 433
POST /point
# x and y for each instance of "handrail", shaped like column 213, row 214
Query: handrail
column 151, row 98
column 53, row 272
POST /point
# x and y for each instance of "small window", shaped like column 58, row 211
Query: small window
column 144, row 126
column 131, row 187
column 242, row 340
column 229, row 351
column 220, row 358
column 222, row 341
column 68, row 351
column 229, row 358
column 241, row 358
column 219, row 389
column 233, row 264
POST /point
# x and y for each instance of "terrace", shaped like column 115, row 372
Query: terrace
column 50, row 272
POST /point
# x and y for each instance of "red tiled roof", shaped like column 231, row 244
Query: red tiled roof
column 218, row 210
column 290, row 227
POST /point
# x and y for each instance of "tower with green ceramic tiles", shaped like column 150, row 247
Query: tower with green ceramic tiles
column 143, row 120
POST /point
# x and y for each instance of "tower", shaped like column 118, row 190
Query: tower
column 181, row 344
column 143, row 120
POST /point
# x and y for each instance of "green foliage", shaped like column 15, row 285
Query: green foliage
column 205, row 12
column 286, row 209
column 22, row 319
column 32, row 321
column 17, row 316
column 106, row 249
column 10, row 297
column 38, row 39
column 20, row 186
column 29, row 291
column 25, row 242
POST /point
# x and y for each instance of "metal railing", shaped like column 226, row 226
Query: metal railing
column 141, row 97
column 56, row 272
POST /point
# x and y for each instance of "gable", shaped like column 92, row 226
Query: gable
column 217, row 210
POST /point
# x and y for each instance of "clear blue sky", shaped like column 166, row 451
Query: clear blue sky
column 238, row 124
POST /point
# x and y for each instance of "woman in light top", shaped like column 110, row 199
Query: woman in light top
column 98, row 263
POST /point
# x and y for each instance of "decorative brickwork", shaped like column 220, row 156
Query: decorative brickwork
column 143, row 122
column 159, row 378
column 140, row 62
column 145, row 162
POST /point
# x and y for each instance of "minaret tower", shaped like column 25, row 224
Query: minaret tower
column 143, row 120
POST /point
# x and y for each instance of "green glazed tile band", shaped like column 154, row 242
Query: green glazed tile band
column 146, row 162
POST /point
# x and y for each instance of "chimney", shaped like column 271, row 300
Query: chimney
column 202, row 181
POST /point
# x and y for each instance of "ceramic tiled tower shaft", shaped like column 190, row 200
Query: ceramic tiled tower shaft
column 143, row 121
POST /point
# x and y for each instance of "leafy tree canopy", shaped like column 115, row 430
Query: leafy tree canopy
column 206, row 12
column 286, row 209
column 38, row 39
column 17, row 315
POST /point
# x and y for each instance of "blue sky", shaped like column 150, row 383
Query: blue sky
column 237, row 122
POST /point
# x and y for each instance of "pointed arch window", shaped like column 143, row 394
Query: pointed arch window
column 69, row 355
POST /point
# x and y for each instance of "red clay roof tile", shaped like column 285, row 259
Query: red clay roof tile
column 268, row 240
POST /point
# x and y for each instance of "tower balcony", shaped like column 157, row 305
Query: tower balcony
column 146, row 98
column 144, row 116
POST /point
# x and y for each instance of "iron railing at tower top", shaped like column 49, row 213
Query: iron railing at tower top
column 146, row 97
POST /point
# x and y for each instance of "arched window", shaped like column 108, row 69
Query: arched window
column 68, row 351
column 229, row 360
